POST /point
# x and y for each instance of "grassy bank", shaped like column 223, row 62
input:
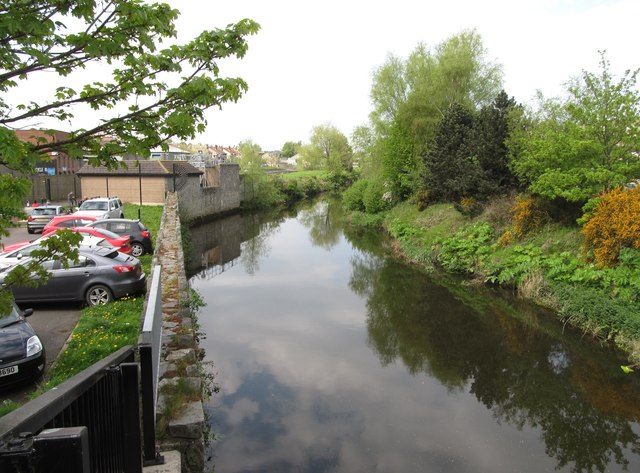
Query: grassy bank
column 546, row 266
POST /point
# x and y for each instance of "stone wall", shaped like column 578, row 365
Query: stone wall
column 200, row 203
column 181, row 425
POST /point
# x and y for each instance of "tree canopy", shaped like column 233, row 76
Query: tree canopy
column 142, row 95
column 102, row 59
column 328, row 149
column 576, row 148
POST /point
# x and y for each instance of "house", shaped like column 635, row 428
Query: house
column 172, row 153
column 56, row 162
column 138, row 181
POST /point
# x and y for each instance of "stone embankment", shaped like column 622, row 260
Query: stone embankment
column 181, row 422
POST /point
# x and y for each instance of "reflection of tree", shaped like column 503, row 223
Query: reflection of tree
column 525, row 376
column 324, row 221
column 258, row 230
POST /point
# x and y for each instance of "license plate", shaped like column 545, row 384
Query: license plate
column 9, row 370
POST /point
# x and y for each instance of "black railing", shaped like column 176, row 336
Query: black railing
column 47, row 433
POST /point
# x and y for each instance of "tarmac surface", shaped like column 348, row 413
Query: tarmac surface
column 52, row 322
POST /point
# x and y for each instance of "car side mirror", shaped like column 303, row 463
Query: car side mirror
column 27, row 312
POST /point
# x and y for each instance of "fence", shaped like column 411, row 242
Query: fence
column 150, row 345
column 103, row 399
column 93, row 422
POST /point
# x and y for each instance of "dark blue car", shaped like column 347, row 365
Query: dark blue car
column 22, row 356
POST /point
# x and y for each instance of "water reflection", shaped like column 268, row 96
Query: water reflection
column 332, row 357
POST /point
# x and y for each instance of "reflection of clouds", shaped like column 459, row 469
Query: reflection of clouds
column 559, row 359
column 302, row 391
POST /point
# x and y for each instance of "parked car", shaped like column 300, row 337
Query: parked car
column 121, row 243
column 141, row 241
column 22, row 355
column 98, row 276
column 40, row 216
column 101, row 207
column 67, row 221
column 9, row 258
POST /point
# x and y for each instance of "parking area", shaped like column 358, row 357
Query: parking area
column 52, row 322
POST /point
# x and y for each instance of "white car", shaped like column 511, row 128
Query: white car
column 9, row 258
column 101, row 208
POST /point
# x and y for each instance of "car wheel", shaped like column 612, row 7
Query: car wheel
column 98, row 295
column 121, row 215
column 137, row 249
column 30, row 230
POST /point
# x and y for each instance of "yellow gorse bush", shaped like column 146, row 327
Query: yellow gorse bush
column 527, row 216
column 614, row 224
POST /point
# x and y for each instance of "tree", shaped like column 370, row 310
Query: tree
column 104, row 57
column 290, row 149
column 145, row 95
column 328, row 149
column 488, row 142
column 411, row 97
column 452, row 170
column 576, row 148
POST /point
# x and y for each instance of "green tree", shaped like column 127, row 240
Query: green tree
column 452, row 170
column 328, row 149
column 290, row 148
column 576, row 148
column 363, row 143
column 488, row 142
column 455, row 71
column 139, row 95
column 411, row 97
column 400, row 166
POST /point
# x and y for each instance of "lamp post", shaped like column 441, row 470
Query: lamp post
column 139, row 187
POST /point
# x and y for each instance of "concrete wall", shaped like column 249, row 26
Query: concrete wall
column 199, row 203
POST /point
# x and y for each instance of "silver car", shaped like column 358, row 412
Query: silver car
column 98, row 276
column 40, row 216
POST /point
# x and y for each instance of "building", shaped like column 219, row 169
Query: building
column 138, row 181
column 55, row 163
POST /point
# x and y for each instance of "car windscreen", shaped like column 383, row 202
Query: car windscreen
column 9, row 318
column 94, row 206
column 46, row 212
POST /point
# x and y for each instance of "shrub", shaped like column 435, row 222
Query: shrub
column 373, row 198
column 614, row 224
column 422, row 200
column 528, row 214
column 468, row 206
column 353, row 197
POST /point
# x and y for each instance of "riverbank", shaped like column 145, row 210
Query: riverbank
column 545, row 266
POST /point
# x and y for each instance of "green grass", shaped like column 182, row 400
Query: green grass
column 297, row 174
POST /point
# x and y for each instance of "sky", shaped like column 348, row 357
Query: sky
column 312, row 63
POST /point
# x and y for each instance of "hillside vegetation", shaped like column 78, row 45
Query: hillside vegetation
column 546, row 265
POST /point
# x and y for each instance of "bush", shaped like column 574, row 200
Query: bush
column 373, row 198
column 353, row 197
column 422, row 200
column 528, row 214
column 614, row 224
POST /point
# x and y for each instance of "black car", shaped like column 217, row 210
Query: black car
column 140, row 237
column 22, row 356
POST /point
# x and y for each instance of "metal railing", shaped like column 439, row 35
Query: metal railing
column 104, row 417
column 103, row 399
column 150, row 346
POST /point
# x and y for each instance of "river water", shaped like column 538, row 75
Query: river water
column 331, row 356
